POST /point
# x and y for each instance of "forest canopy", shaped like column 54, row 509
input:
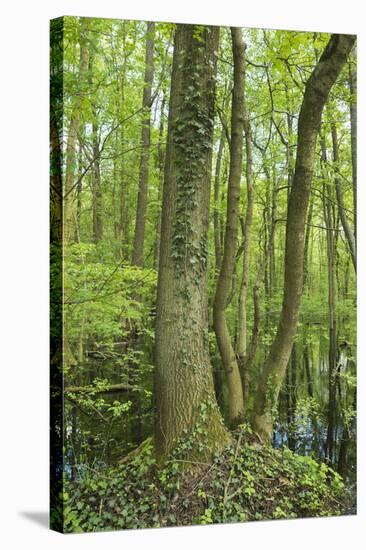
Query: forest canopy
column 203, row 199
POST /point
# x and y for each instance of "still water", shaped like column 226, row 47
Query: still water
column 305, row 422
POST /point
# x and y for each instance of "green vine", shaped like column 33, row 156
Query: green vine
column 192, row 140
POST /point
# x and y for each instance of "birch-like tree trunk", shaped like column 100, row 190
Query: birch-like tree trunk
column 316, row 93
column 224, row 281
column 74, row 127
column 142, row 197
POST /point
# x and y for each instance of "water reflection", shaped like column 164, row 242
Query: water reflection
column 302, row 423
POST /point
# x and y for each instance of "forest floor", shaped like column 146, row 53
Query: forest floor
column 245, row 482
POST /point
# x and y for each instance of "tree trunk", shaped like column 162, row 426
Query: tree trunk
column 96, row 186
column 184, row 389
column 74, row 126
column 306, row 246
column 247, row 236
column 138, row 244
column 353, row 112
column 329, row 220
column 161, row 155
column 216, row 214
column 316, row 93
column 342, row 214
column 79, row 189
column 224, row 282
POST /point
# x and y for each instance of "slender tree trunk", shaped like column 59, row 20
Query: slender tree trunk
column 272, row 235
column 56, row 217
column 307, row 364
column 247, row 236
column 224, row 282
column 216, row 214
column 353, row 112
column 329, row 220
column 161, row 157
column 74, row 126
column 350, row 237
column 316, row 93
column 97, row 197
column 184, row 389
column 79, row 189
column 138, row 244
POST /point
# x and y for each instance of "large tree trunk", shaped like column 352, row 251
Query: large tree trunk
column 316, row 93
column 184, row 389
column 224, row 282
column 138, row 243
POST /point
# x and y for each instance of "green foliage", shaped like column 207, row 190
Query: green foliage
column 100, row 296
column 192, row 138
column 109, row 305
column 245, row 482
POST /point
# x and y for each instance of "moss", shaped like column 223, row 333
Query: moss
column 245, row 482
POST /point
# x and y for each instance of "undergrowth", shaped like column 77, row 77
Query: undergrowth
column 245, row 482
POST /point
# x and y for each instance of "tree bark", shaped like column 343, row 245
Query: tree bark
column 184, row 389
column 97, row 197
column 161, row 156
column 216, row 214
column 71, row 164
column 316, row 93
column 247, row 236
column 142, row 197
column 353, row 113
column 224, row 282
column 350, row 237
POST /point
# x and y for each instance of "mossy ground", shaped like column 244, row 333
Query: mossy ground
column 245, row 482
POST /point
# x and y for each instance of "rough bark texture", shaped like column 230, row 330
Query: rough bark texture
column 138, row 243
column 224, row 282
column 316, row 93
column 184, row 388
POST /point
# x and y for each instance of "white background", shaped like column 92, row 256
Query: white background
column 24, row 272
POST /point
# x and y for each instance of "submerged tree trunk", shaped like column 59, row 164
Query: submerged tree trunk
column 138, row 244
column 316, row 93
column 184, row 389
column 224, row 282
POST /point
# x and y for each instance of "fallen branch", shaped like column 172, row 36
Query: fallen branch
column 93, row 389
